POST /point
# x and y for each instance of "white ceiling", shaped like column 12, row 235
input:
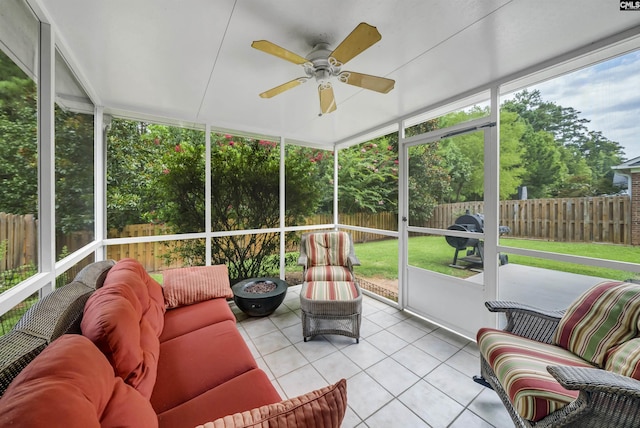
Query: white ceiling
column 192, row 61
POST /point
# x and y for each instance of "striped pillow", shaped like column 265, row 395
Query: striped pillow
column 328, row 248
column 328, row 273
column 625, row 359
column 331, row 290
column 603, row 317
column 185, row 286
column 521, row 367
column 324, row 407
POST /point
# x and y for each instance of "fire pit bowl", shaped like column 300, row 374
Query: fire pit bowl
column 259, row 297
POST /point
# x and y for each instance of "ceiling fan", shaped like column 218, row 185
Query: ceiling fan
column 324, row 64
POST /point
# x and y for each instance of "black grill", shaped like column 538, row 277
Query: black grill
column 473, row 247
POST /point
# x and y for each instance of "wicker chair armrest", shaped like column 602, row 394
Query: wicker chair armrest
column 302, row 261
column 506, row 306
column 594, row 380
column 353, row 260
column 528, row 321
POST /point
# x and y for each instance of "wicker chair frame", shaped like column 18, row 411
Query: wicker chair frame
column 605, row 399
column 58, row 313
column 342, row 317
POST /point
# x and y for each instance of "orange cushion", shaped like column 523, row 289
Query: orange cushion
column 147, row 289
column 71, row 384
column 324, row 407
column 249, row 390
column 113, row 321
column 182, row 320
column 185, row 286
column 195, row 362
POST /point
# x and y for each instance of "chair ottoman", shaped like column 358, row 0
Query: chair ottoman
column 331, row 307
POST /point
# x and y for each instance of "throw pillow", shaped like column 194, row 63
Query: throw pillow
column 324, row 407
column 328, row 248
column 185, row 286
column 603, row 317
column 625, row 359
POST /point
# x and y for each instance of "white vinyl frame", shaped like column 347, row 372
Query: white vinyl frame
column 450, row 302
column 49, row 268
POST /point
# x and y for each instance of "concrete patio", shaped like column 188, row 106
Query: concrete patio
column 543, row 288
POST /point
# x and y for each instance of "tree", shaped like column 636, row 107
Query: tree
column 429, row 181
column 368, row 177
column 464, row 156
column 134, row 153
column 18, row 140
column 563, row 122
column 545, row 169
column 601, row 154
column 74, row 172
column 245, row 183
column 587, row 156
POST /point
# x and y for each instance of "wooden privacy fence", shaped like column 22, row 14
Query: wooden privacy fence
column 591, row 219
column 18, row 240
column 150, row 254
column 383, row 221
column 594, row 219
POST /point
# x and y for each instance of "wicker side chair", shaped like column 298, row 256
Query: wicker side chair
column 330, row 299
column 604, row 398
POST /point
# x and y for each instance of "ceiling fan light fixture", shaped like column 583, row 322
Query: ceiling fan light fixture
column 323, row 76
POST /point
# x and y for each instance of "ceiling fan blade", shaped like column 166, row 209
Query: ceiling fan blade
column 366, row 81
column 284, row 87
column 275, row 50
column 327, row 101
column 361, row 38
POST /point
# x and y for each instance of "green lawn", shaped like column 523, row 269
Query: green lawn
column 380, row 258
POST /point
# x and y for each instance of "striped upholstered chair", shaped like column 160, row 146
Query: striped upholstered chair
column 579, row 367
column 330, row 299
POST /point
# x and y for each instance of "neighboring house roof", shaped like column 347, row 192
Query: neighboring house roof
column 630, row 166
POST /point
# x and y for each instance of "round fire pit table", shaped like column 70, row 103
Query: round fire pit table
column 259, row 297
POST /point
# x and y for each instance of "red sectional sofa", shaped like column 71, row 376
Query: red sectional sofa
column 138, row 364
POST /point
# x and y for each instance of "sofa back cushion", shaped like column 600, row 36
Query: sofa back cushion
column 602, row 318
column 328, row 248
column 147, row 290
column 124, row 319
column 71, row 384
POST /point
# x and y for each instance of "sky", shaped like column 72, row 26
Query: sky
column 607, row 94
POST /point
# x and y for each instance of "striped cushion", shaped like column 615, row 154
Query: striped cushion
column 603, row 317
column 625, row 359
column 185, row 286
column 331, row 290
column 328, row 273
column 521, row 367
column 328, row 248
column 323, row 407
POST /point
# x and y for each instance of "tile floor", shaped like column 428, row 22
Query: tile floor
column 404, row 372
